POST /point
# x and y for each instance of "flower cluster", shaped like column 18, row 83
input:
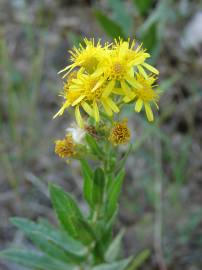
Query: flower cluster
column 101, row 79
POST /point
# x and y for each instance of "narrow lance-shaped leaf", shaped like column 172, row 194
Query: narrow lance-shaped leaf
column 55, row 243
column 98, row 187
column 113, row 195
column 143, row 6
column 114, row 248
column 119, row 265
column 121, row 15
column 139, row 260
column 66, row 209
column 86, row 233
column 111, row 27
column 94, row 146
column 88, row 181
column 34, row 260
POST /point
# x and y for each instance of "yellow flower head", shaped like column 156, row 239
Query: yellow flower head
column 65, row 148
column 120, row 133
column 86, row 57
column 124, row 59
column 135, row 55
column 146, row 95
column 86, row 92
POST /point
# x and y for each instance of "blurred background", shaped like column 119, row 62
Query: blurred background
column 162, row 197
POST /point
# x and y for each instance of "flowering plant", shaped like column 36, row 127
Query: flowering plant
column 98, row 84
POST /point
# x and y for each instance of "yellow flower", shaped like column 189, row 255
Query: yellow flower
column 135, row 55
column 66, row 147
column 120, row 133
column 146, row 95
column 120, row 65
column 117, row 69
column 86, row 91
column 86, row 57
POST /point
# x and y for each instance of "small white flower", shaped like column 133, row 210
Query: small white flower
column 77, row 132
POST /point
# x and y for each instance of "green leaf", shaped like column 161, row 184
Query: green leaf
column 121, row 15
column 114, row 249
column 119, row 265
column 86, row 233
column 94, row 146
column 139, row 260
column 113, row 195
column 88, row 181
column 53, row 242
column 34, row 260
column 143, row 6
column 111, row 27
column 150, row 38
column 168, row 83
column 98, row 187
column 66, row 209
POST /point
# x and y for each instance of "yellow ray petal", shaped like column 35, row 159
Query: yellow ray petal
column 112, row 105
column 133, row 82
column 106, row 107
column 149, row 112
column 138, row 105
column 157, row 106
column 78, row 100
column 87, row 108
column 98, row 84
column 98, row 72
column 108, row 89
column 61, row 110
column 142, row 71
column 126, row 99
column 151, row 68
column 78, row 117
column 126, row 89
column 118, row 91
column 66, row 68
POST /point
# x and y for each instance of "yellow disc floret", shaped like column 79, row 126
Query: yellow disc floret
column 120, row 133
column 65, row 148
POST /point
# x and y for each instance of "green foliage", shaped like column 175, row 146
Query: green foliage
column 95, row 148
column 80, row 241
column 119, row 265
column 114, row 248
column 98, row 187
column 66, row 209
column 19, row 95
column 113, row 195
column 88, row 182
column 139, row 260
column 35, row 260
column 143, row 6
column 111, row 27
column 56, row 243
column 150, row 31
column 121, row 15
column 150, row 38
